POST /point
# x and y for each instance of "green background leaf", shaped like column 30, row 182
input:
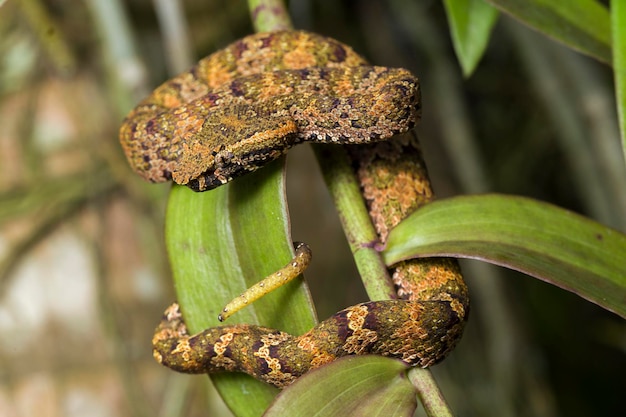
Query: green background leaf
column 471, row 22
column 618, row 25
column 220, row 243
column 536, row 238
column 581, row 24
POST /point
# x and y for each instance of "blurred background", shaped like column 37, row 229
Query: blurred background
column 84, row 276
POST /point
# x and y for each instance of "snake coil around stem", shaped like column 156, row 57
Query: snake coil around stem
column 246, row 105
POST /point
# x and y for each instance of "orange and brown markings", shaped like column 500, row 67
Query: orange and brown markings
column 248, row 104
column 394, row 183
column 408, row 330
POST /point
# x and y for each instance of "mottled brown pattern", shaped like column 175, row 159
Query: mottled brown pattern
column 395, row 183
column 247, row 104
column 419, row 333
column 298, row 86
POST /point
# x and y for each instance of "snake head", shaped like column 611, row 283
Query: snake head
column 232, row 142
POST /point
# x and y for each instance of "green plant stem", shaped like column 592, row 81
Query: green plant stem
column 429, row 393
column 269, row 15
column 346, row 194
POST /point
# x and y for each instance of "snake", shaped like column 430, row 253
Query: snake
column 248, row 104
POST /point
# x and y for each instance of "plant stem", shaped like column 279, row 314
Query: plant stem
column 346, row 194
column 269, row 15
column 429, row 393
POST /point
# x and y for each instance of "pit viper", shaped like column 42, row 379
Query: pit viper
column 248, row 104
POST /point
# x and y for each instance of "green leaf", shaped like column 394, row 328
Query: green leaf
column 536, row 238
column 222, row 241
column 350, row 386
column 581, row 24
column 618, row 24
column 471, row 22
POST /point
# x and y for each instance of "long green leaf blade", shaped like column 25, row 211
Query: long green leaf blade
column 351, row 386
column 581, row 24
column 223, row 241
column 471, row 22
column 536, row 238
column 618, row 25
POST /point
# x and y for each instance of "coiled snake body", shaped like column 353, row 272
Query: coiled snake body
column 246, row 105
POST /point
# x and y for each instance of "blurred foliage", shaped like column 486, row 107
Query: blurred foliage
column 534, row 119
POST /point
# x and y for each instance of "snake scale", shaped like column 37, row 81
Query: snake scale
column 246, row 105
